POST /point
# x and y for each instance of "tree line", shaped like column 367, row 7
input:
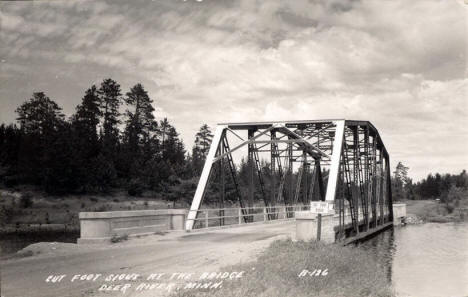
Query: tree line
column 113, row 140
column 448, row 188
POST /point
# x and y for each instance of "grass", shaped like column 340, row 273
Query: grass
column 17, row 255
column 118, row 238
column 351, row 272
column 433, row 211
column 44, row 209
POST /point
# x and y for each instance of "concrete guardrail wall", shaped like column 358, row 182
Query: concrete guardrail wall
column 399, row 213
column 307, row 223
column 98, row 227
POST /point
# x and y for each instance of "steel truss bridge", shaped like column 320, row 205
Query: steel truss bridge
column 343, row 162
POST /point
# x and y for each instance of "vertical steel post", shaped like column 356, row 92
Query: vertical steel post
column 341, row 207
column 319, row 226
column 223, row 188
column 374, row 181
column 389, row 187
column 366, row 174
column 306, row 179
column 320, row 179
column 251, row 174
column 335, row 160
column 273, row 167
column 382, row 186
column 202, row 183
column 356, row 169
column 290, row 179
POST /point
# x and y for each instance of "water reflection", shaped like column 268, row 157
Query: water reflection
column 424, row 260
column 12, row 242
column 382, row 247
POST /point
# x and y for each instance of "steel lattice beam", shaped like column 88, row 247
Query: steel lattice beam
column 358, row 165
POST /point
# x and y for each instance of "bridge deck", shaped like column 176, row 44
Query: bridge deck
column 364, row 235
column 173, row 252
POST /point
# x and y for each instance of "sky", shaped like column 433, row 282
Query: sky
column 400, row 64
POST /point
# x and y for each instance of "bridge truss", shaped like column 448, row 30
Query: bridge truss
column 340, row 161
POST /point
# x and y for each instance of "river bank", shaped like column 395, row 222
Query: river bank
column 180, row 252
column 28, row 216
column 300, row 269
column 420, row 211
column 29, row 207
column 424, row 260
column 285, row 268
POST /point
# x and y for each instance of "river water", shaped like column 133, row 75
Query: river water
column 428, row 260
column 12, row 242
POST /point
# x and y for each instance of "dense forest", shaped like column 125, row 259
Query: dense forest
column 450, row 189
column 114, row 141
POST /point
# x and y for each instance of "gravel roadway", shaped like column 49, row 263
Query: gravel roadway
column 176, row 252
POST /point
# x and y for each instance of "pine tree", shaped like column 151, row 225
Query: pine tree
column 86, row 119
column 139, row 144
column 200, row 150
column 10, row 139
column 85, row 137
column 401, row 173
column 140, row 119
column 110, row 98
column 41, row 120
column 174, row 150
column 164, row 127
column 39, row 115
column 401, row 183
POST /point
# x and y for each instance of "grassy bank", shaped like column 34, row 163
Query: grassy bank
column 433, row 211
column 32, row 210
column 350, row 272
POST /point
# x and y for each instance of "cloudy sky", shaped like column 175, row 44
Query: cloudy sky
column 399, row 64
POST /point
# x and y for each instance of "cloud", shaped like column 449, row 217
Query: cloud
column 399, row 64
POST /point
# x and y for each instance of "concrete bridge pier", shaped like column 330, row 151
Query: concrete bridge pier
column 312, row 226
column 316, row 224
column 323, row 224
column 399, row 214
column 99, row 227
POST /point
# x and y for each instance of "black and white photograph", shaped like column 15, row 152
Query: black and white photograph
column 233, row 148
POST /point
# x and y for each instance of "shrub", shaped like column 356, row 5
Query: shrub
column 10, row 181
column 135, row 187
column 26, row 200
column 103, row 207
column 450, row 207
column 118, row 238
column 6, row 214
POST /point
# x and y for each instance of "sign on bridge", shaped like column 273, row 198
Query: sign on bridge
column 321, row 207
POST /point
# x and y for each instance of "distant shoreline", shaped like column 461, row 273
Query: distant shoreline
column 431, row 211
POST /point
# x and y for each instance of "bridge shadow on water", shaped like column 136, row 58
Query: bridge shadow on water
column 426, row 260
column 382, row 247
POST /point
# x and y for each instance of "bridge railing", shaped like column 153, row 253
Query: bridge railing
column 216, row 217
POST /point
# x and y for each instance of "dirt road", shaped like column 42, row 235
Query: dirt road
column 181, row 252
